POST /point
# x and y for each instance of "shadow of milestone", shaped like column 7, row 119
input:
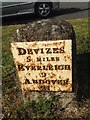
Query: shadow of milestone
column 83, row 83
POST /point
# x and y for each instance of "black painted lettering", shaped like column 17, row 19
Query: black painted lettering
column 44, row 88
column 47, row 59
column 42, row 51
column 59, row 82
column 52, row 59
column 62, row 50
column 60, row 67
column 43, row 59
column 27, row 81
column 33, row 67
column 21, row 51
column 43, row 74
column 29, row 59
column 36, row 50
column 55, row 50
column 45, row 68
column 38, row 59
column 66, row 81
column 67, row 67
column 57, row 59
column 48, row 50
column 35, row 81
column 56, row 67
column 54, row 81
column 27, row 67
column 50, row 67
column 30, row 51
column 41, row 81
column 39, row 68
column 20, row 67
column 48, row 81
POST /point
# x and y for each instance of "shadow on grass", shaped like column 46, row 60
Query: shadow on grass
column 83, row 88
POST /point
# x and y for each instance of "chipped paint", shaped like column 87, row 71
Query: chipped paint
column 44, row 65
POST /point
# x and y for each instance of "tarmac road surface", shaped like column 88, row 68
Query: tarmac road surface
column 74, row 10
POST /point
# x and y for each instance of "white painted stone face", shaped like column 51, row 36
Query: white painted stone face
column 44, row 65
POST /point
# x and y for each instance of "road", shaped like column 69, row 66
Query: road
column 69, row 10
column 74, row 10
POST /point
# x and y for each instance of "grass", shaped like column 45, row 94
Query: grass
column 11, row 91
column 81, row 27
